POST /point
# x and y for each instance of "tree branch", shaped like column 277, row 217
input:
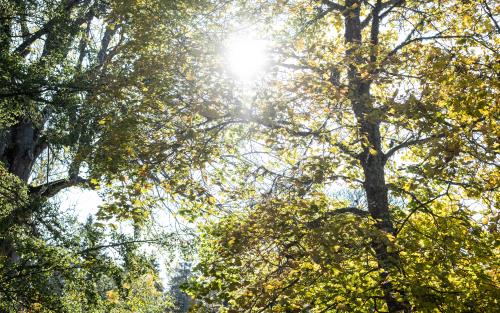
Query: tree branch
column 333, row 5
column 347, row 210
column 421, row 205
column 391, row 3
column 490, row 15
column 50, row 189
column 408, row 41
column 409, row 143
column 106, row 39
column 22, row 48
column 117, row 244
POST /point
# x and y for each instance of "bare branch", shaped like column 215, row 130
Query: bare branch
column 409, row 143
column 277, row 125
column 50, row 189
column 490, row 15
column 421, row 205
column 392, row 4
column 408, row 41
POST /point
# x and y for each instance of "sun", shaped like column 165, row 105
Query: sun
column 246, row 57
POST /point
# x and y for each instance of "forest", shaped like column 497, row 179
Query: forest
column 317, row 156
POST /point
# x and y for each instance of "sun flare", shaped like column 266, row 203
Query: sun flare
column 246, row 57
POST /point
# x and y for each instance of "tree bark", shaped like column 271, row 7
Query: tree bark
column 372, row 158
column 22, row 145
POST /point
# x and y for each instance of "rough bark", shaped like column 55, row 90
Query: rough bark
column 372, row 158
column 22, row 144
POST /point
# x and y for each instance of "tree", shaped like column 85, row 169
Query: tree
column 64, row 266
column 181, row 300
column 398, row 99
column 93, row 94
column 344, row 183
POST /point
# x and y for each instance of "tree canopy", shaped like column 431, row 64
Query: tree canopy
column 358, row 171
column 365, row 161
column 93, row 94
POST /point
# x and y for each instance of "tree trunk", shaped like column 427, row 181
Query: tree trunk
column 20, row 145
column 372, row 157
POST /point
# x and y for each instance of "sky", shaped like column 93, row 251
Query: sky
column 83, row 202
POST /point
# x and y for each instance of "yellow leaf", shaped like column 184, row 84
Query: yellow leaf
column 113, row 296
column 299, row 44
column 268, row 287
column 211, row 200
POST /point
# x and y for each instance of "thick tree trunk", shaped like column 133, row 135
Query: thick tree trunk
column 372, row 158
column 20, row 145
